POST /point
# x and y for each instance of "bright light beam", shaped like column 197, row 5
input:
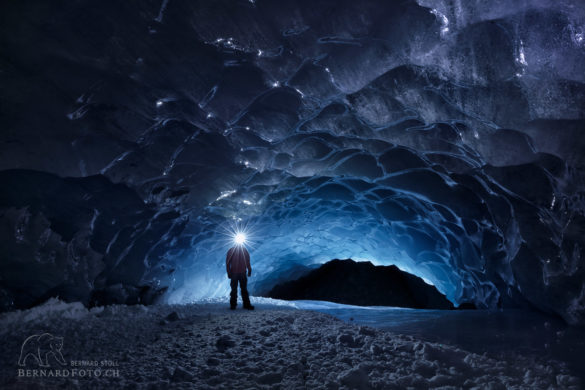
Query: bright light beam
column 240, row 238
column 237, row 233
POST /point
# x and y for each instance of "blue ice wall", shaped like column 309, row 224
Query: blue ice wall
column 445, row 137
column 328, row 224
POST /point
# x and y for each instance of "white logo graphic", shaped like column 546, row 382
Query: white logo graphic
column 40, row 347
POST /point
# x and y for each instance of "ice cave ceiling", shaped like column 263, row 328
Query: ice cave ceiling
column 443, row 136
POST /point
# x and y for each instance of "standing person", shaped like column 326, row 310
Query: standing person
column 237, row 261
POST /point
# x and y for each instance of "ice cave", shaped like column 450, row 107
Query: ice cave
column 140, row 138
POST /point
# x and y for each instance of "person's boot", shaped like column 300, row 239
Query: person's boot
column 249, row 307
column 232, row 307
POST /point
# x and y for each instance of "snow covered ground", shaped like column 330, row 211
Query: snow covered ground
column 498, row 333
column 207, row 346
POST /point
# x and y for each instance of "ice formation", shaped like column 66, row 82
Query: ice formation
column 445, row 137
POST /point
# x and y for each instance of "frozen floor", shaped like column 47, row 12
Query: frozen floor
column 278, row 346
column 480, row 331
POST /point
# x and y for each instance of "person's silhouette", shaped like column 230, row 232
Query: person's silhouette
column 237, row 261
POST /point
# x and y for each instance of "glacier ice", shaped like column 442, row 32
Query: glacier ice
column 445, row 137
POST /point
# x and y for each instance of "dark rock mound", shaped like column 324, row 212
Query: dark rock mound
column 363, row 284
column 467, row 306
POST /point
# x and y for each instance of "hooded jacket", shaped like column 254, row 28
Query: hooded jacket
column 237, row 260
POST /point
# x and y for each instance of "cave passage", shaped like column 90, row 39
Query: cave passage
column 444, row 138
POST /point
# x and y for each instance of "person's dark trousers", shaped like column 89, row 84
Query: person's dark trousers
column 243, row 280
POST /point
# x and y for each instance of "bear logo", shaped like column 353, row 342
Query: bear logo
column 40, row 346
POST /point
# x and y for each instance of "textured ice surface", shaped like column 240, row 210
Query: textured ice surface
column 207, row 346
column 445, row 137
column 498, row 333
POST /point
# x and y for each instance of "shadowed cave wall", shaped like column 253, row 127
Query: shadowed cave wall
column 444, row 137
